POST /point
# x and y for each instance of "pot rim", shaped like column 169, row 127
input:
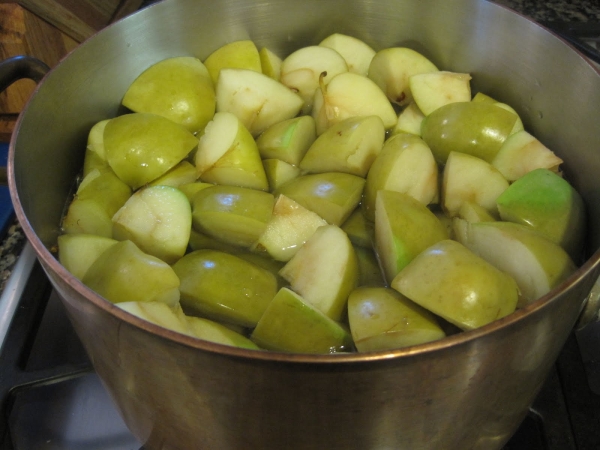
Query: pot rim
column 49, row 261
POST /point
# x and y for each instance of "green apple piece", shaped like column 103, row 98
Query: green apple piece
column 141, row 147
column 265, row 262
column 158, row 219
column 290, row 226
column 223, row 287
column 324, row 270
column 349, row 146
column 518, row 124
column 77, row 252
column 291, row 324
column 87, row 217
column 549, row 204
column 178, row 88
column 183, row 173
column 279, row 172
column 391, row 69
column 231, row 214
column 95, row 155
column 124, row 273
column 452, row 282
column 359, row 229
column 350, row 95
column 481, row 97
column 212, row 331
column 405, row 164
column 409, row 120
column 160, row 314
column 201, row 241
column 332, row 195
column 521, row 153
column 447, row 221
column 357, row 53
column 227, row 154
column 256, row 99
column 241, row 54
column 288, row 140
column 468, row 178
column 369, row 272
column 302, row 70
column 191, row 189
column 383, row 319
column 404, row 228
column 271, row 63
column 536, row 263
column 435, row 89
column 475, row 128
column 473, row 212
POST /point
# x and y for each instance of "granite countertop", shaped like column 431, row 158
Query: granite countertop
column 542, row 11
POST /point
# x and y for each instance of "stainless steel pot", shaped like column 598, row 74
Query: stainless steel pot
column 467, row 391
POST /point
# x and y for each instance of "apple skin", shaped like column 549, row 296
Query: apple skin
column 475, row 128
column 291, row 324
column 452, row 282
column 212, row 331
column 95, row 155
column 77, row 252
column 287, row 140
column 241, row 54
column 383, row 319
column 124, row 273
column 545, row 201
column 223, row 287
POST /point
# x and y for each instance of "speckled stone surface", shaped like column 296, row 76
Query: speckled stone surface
column 543, row 11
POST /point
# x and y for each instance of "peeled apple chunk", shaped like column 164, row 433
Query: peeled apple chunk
column 271, row 63
column 349, row 146
column 332, row 195
column 383, row 319
column 404, row 228
column 124, row 273
column 467, row 178
column 302, row 70
column 179, row 89
column 77, row 252
column 142, row 146
column 288, row 140
column 475, row 128
column 291, row 324
column 158, row 219
column 536, row 263
column 232, row 214
column 324, row 271
column 391, row 69
column 435, row 89
column 351, row 95
column 234, row 55
column 227, row 154
column 546, row 202
column 357, row 53
column 223, row 287
column 257, row 100
column 452, row 282
column 404, row 164
column 409, row 120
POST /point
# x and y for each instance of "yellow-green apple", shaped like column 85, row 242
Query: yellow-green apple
column 95, row 155
column 183, row 173
column 191, row 189
column 404, row 228
column 536, row 263
column 359, row 229
column 170, row 317
column 227, row 154
column 124, row 273
column 279, row 172
column 357, row 53
column 141, row 147
column 454, row 283
column 241, row 54
column 232, row 214
column 201, row 241
column 381, row 318
column 291, row 324
column 469, row 178
column 77, row 252
column 324, row 270
column 409, row 120
column 391, row 69
column 223, row 287
column 332, row 195
column 212, row 331
column 473, row 212
column 287, row 140
column 256, row 99
column 435, row 89
column 178, row 88
column 270, row 63
column 158, row 219
column 369, row 271
column 545, row 201
column 348, row 146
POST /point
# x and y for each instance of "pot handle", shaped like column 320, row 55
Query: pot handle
column 17, row 67
column 591, row 308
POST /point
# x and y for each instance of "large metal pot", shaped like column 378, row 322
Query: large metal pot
column 467, row 391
